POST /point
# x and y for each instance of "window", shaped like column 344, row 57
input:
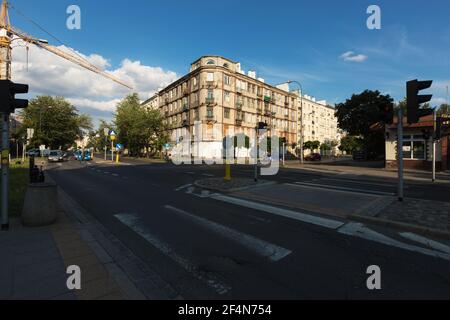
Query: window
column 227, row 96
column 227, row 79
column 210, row 77
column 209, row 112
column 226, row 113
column 210, row 94
column 226, row 65
column 414, row 147
column 210, row 62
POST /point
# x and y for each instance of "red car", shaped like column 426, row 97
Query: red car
column 313, row 157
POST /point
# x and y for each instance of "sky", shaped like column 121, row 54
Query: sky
column 324, row 44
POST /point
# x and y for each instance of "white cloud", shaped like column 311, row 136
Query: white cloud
column 352, row 57
column 52, row 75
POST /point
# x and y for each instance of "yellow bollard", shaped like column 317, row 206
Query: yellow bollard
column 117, row 157
column 227, row 171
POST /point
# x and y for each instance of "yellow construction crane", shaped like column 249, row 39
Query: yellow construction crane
column 7, row 33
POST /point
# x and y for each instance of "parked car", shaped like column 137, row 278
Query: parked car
column 313, row 157
column 56, row 156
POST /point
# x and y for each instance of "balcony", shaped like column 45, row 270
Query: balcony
column 239, row 105
column 185, row 107
column 267, row 112
column 209, row 101
column 209, row 85
column 210, row 118
column 185, row 92
column 267, row 99
column 286, row 115
column 185, row 123
column 239, row 90
column 238, row 121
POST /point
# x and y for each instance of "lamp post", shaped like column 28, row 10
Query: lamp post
column 301, row 118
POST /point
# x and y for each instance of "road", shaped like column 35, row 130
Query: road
column 208, row 246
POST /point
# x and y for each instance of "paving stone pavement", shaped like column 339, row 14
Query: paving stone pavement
column 424, row 213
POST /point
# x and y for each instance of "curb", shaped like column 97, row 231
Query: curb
column 401, row 225
column 198, row 183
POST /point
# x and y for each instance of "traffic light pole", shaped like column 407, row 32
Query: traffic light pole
column 433, row 179
column 4, row 219
column 400, row 154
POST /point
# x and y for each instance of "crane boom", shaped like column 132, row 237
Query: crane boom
column 66, row 55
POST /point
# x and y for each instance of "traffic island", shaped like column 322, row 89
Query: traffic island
column 235, row 184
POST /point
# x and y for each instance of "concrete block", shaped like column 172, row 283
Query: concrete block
column 41, row 205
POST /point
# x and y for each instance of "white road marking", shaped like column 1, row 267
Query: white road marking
column 183, row 187
column 344, row 189
column 361, row 231
column 134, row 223
column 261, row 247
column 323, row 222
column 425, row 241
column 115, row 174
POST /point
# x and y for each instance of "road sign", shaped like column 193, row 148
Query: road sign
column 112, row 133
column 167, row 146
column 119, row 146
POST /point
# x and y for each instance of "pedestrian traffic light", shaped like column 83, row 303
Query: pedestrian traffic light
column 414, row 99
column 8, row 91
column 387, row 113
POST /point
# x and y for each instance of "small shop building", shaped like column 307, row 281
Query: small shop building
column 417, row 146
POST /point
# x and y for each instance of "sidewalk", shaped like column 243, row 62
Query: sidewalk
column 418, row 175
column 34, row 261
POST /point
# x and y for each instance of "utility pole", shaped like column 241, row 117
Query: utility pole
column 400, row 154
column 257, row 151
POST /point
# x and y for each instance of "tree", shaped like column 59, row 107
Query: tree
column 56, row 123
column 356, row 116
column 444, row 109
column 97, row 139
column 350, row 143
column 138, row 128
column 311, row 145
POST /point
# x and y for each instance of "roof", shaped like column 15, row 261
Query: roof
column 424, row 122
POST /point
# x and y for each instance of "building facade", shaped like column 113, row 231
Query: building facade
column 223, row 100
column 417, row 146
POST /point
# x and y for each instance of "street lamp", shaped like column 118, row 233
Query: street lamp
column 301, row 117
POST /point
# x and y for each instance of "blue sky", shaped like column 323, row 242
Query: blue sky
column 281, row 40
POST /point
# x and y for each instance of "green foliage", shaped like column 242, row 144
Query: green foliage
column 444, row 109
column 350, row 143
column 139, row 128
column 311, row 145
column 19, row 176
column 97, row 138
column 358, row 113
column 56, row 123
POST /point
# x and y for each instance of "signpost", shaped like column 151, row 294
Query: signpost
column 112, row 137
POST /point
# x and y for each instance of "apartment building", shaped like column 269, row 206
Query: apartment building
column 319, row 121
column 224, row 101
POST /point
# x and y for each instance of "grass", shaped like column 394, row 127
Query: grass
column 18, row 181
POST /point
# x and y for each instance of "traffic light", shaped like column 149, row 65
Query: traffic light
column 387, row 113
column 414, row 99
column 8, row 91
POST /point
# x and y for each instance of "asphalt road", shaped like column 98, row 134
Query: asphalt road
column 206, row 247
